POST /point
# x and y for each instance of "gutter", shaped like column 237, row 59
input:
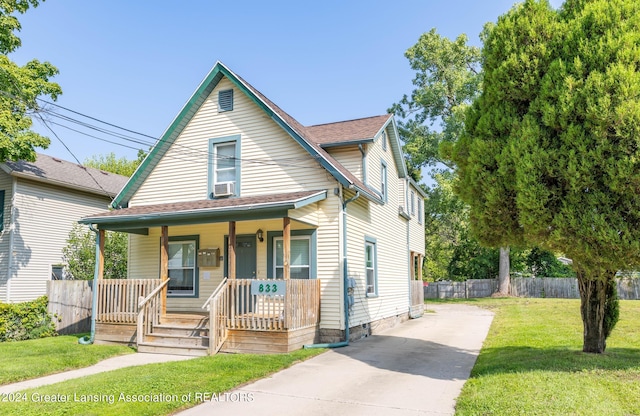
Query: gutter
column 89, row 340
column 345, row 280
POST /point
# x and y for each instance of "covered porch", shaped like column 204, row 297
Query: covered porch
column 246, row 312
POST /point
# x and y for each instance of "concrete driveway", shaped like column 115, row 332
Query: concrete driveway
column 416, row 368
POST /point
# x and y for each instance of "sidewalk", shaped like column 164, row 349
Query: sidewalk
column 416, row 368
column 109, row 364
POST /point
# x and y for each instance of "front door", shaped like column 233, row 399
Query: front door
column 246, row 257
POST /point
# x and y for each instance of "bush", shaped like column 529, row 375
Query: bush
column 26, row 320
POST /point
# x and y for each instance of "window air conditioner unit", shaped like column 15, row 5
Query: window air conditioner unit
column 223, row 189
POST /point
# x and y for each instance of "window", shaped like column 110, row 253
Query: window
column 370, row 259
column 182, row 266
column 384, row 140
column 224, row 166
column 225, row 100
column 303, row 254
column 383, row 181
column 57, row 272
column 300, row 265
column 420, row 211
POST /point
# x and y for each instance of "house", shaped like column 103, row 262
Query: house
column 286, row 234
column 40, row 202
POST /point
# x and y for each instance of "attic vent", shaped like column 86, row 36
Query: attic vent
column 225, row 100
column 56, row 159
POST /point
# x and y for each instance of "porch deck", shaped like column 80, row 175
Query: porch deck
column 233, row 319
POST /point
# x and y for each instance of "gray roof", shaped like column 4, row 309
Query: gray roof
column 67, row 174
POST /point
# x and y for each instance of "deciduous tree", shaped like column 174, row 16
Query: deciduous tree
column 113, row 164
column 79, row 254
column 20, row 86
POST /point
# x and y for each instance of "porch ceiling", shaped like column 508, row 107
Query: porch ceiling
column 138, row 219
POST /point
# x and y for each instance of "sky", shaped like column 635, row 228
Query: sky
column 134, row 64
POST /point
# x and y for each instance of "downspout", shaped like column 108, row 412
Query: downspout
column 89, row 340
column 345, row 280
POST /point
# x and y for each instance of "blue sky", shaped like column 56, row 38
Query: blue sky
column 135, row 64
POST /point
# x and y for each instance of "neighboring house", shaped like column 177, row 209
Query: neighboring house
column 41, row 201
column 238, row 188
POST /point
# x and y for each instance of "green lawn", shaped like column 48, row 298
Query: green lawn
column 154, row 389
column 532, row 363
column 22, row 360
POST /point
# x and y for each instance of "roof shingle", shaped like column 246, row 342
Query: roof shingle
column 71, row 175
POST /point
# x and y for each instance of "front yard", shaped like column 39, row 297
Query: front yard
column 532, row 364
column 22, row 360
column 154, row 389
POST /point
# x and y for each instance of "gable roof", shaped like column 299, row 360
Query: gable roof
column 304, row 136
column 66, row 174
column 362, row 130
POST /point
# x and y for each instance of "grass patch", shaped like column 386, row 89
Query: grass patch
column 22, row 360
column 532, row 363
column 214, row 374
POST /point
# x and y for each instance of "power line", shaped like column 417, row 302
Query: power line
column 74, row 156
column 95, row 119
column 188, row 155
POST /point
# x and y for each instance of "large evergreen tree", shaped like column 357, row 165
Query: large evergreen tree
column 551, row 153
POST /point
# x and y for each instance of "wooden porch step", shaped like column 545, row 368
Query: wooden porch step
column 200, row 320
column 182, row 329
column 178, row 340
column 162, row 348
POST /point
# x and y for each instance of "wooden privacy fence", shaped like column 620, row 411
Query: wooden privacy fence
column 526, row 287
column 70, row 302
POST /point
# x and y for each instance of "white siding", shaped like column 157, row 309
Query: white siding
column 350, row 158
column 146, row 262
column 44, row 216
column 6, row 184
column 271, row 160
column 381, row 222
column 417, row 227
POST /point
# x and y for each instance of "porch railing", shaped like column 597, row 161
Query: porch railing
column 118, row 299
column 298, row 307
column 218, row 304
column 149, row 311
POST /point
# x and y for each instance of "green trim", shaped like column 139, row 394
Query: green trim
column 169, row 136
column 186, row 114
column 346, row 143
column 128, row 230
column 225, row 139
column 196, row 271
column 225, row 109
column 205, row 216
column 313, row 266
column 374, row 242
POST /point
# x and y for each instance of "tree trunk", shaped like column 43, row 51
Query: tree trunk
column 504, row 279
column 598, row 308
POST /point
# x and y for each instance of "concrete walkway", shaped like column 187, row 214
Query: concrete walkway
column 416, row 368
column 109, row 364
